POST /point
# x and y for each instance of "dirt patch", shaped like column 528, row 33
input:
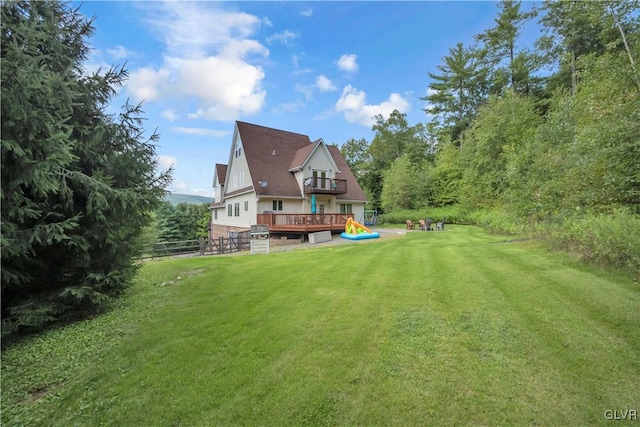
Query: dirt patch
column 37, row 392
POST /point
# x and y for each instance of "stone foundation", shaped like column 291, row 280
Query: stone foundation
column 223, row 231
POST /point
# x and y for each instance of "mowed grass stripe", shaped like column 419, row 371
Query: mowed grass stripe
column 563, row 310
column 431, row 328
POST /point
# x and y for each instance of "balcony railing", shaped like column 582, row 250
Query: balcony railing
column 325, row 186
column 303, row 223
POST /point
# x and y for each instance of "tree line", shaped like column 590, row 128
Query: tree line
column 534, row 131
column 545, row 137
column 184, row 221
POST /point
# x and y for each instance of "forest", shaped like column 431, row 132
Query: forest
column 543, row 141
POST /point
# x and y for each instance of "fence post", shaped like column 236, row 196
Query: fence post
column 221, row 244
column 201, row 242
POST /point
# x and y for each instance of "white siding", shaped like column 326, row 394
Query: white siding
column 320, row 161
column 245, row 218
column 295, row 206
column 238, row 171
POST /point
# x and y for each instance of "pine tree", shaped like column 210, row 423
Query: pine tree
column 456, row 94
column 78, row 185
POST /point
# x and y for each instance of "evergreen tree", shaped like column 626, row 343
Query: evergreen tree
column 78, row 185
column 455, row 95
column 185, row 221
column 501, row 45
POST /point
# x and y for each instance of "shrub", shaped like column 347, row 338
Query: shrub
column 607, row 239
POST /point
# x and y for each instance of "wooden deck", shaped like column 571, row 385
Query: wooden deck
column 303, row 223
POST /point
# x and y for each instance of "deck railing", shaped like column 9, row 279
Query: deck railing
column 303, row 223
column 317, row 185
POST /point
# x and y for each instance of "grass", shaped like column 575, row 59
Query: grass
column 445, row 328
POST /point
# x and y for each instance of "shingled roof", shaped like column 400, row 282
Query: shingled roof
column 354, row 191
column 269, row 153
column 273, row 154
column 221, row 172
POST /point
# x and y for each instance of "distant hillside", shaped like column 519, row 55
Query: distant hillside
column 175, row 198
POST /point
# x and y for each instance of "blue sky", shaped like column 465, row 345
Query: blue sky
column 323, row 69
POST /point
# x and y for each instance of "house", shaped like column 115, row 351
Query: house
column 285, row 180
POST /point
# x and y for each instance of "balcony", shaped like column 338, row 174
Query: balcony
column 316, row 185
column 303, row 223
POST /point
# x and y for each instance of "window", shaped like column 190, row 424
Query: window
column 320, row 179
column 346, row 208
column 277, row 205
column 238, row 151
column 236, row 209
column 237, row 180
column 215, row 214
column 246, row 206
column 229, row 210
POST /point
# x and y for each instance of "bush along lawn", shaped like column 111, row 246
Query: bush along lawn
column 457, row 327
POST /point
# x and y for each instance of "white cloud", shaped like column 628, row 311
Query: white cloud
column 120, row 52
column 295, row 60
column 199, row 28
column 209, row 57
column 147, row 83
column 183, row 187
column 179, row 186
column 226, row 86
column 286, row 37
column 201, row 192
column 267, row 22
column 169, row 115
column 288, row 107
column 353, row 104
column 201, row 131
column 307, row 13
column 348, row 63
column 307, row 90
column 324, row 84
column 165, row 162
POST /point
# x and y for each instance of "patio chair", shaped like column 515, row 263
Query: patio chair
column 423, row 224
column 428, row 224
column 410, row 225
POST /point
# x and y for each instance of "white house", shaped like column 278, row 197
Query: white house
column 285, row 180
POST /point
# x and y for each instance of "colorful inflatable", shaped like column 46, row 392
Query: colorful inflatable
column 357, row 231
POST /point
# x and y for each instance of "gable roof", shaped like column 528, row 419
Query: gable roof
column 272, row 155
column 221, row 173
column 269, row 153
column 302, row 155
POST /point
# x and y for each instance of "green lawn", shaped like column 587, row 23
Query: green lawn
column 448, row 328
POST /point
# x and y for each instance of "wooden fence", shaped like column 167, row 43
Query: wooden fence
column 201, row 246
